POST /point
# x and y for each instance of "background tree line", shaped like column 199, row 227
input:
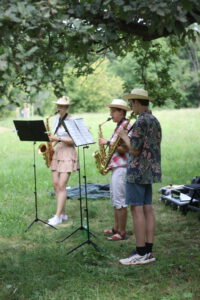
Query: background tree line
column 173, row 74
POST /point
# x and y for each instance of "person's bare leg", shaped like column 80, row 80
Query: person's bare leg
column 139, row 225
column 61, row 194
column 150, row 223
column 122, row 217
column 116, row 220
column 55, row 180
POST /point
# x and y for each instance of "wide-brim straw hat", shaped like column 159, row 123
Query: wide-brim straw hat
column 138, row 94
column 119, row 103
column 64, row 100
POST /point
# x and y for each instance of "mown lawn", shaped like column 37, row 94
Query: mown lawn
column 34, row 265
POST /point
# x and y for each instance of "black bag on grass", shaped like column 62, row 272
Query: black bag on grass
column 196, row 180
column 196, row 185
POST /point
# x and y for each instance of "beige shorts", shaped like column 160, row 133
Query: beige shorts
column 118, row 187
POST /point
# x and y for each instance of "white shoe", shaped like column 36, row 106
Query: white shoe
column 51, row 218
column 55, row 220
column 64, row 217
column 135, row 259
column 150, row 257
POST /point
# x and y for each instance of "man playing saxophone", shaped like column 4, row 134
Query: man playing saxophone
column 64, row 160
column 117, row 165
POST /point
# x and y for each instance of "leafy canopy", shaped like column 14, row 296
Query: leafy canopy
column 38, row 38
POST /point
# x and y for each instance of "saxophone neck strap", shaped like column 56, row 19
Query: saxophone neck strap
column 130, row 129
column 60, row 122
column 118, row 125
column 64, row 125
column 120, row 122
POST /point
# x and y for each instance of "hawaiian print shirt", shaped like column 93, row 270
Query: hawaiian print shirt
column 145, row 136
column 118, row 160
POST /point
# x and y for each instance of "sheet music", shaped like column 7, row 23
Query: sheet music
column 84, row 131
column 79, row 132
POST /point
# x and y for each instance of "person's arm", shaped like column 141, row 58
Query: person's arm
column 57, row 139
column 121, row 149
column 124, row 136
column 66, row 140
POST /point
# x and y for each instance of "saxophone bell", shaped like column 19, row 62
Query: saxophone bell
column 42, row 148
column 47, row 149
column 100, row 155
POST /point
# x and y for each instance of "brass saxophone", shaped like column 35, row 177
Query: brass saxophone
column 100, row 155
column 102, row 161
column 47, row 149
column 113, row 148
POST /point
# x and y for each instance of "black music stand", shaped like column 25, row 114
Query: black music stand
column 33, row 131
column 81, row 137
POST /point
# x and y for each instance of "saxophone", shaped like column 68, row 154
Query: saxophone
column 102, row 161
column 100, row 155
column 113, row 148
column 47, row 149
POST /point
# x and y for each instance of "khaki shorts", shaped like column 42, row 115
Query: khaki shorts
column 117, row 187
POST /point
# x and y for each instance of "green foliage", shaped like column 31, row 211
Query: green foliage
column 149, row 68
column 186, row 72
column 91, row 93
column 39, row 37
column 170, row 76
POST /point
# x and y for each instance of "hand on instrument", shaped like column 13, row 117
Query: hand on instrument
column 53, row 138
column 122, row 149
column 102, row 141
column 122, row 133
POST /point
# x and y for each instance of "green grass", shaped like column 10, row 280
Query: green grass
column 34, row 266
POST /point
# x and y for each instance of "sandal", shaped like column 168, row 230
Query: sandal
column 110, row 231
column 117, row 237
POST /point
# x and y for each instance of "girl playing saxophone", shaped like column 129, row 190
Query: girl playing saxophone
column 64, row 160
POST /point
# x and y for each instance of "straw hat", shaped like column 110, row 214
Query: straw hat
column 64, row 100
column 119, row 103
column 138, row 94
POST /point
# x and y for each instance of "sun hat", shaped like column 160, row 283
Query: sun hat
column 64, row 100
column 119, row 103
column 138, row 94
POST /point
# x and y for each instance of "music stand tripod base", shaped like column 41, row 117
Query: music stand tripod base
column 81, row 137
column 33, row 131
column 88, row 241
column 38, row 220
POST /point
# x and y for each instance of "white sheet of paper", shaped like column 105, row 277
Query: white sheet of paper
column 79, row 132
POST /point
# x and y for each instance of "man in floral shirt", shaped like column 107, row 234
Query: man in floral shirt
column 144, row 168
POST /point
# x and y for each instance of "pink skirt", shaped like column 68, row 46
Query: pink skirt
column 65, row 159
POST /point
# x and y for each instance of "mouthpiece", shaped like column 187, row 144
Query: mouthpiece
column 106, row 121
